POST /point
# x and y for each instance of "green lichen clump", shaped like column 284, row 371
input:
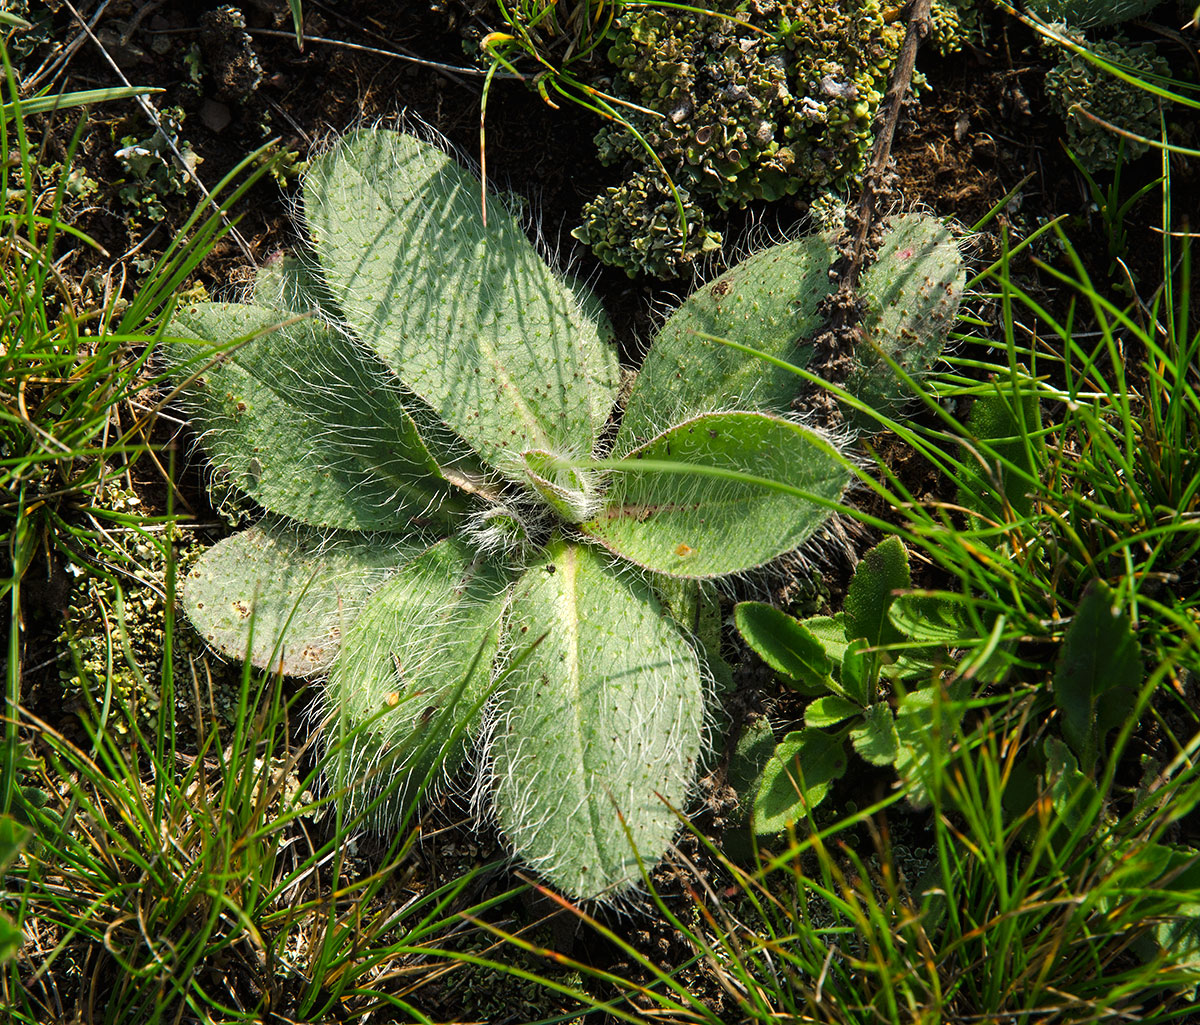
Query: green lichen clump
column 954, row 24
column 774, row 99
column 760, row 105
column 1085, row 95
column 1076, row 87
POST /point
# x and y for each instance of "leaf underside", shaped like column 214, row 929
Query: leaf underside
column 469, row 317
column 768, row 302
column 597, row 723
column 305, row 423
column 414, row 670
column 693, row 525
column 296, row 589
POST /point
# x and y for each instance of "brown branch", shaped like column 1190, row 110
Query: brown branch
column 919, row 26
column 834, row 346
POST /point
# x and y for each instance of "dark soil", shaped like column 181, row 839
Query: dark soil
column 979, row 132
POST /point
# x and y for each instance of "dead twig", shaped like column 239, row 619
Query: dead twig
column 863, row 218
column 835, row 344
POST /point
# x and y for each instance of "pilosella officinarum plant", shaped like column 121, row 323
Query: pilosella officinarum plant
column 457, row 540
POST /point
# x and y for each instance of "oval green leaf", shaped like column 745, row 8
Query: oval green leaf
column 830, row 710
column 280, row 595
column 304, row 422
column 876, row 740
column 881, row 572
column 786, row 645
column 598, row 723
column 859, row 675
column 412, row 675
column 1098, row 673
column 468, row 315
column 769, row 302
column 719, row 494
column 911, row 294
column 797, row 779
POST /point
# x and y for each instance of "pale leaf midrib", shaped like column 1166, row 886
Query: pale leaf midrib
column 571, row 623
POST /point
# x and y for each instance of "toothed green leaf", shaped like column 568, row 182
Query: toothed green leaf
column 859, row 667
column 797, row 779
column 694, row 525
column 755, row 746
column 296, row 589
column 831, row 632
column 414, row 670
column 469, row 316
column 926, row 723
column 768, row 302
column 830, row 710
column 876, row 740
column 881, row 572
column 597, row 723
column 304, row 422
column 785, row 645
column 930, row 618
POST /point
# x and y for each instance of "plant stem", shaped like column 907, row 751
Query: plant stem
column 861, row 222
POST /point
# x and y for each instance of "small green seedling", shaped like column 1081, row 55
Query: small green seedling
column 422, row 408
column 841, row 662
